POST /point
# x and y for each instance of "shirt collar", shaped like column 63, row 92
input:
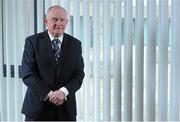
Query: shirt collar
column 52, row 37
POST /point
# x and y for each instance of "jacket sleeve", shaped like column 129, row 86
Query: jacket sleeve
column 78, row 74
column 29, row 70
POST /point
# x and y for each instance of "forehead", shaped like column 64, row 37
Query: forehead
column 57, row 13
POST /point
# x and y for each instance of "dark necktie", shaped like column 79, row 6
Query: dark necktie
column 56, row 48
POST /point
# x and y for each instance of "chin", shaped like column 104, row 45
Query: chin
column 58, row 34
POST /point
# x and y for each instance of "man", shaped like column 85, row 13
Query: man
column 52, row 70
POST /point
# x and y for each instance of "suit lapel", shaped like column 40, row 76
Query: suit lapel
column 64, row 51
column 50, row 52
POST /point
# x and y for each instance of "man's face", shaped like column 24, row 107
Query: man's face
column 56, row 21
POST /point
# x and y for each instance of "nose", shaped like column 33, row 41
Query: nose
column 58, row 22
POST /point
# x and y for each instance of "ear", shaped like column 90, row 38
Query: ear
column 45, row 21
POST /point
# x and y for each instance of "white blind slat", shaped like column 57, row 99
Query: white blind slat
column 96, row 63
column 127, row 103
column 40, row 16
column 67, row 7
column 86, row 40
column 139, row 61
column 76, row 34
column 1, row 63
column 117, row 62
column 9, row 59
column 151, row 61
column 106, row 59
column 163, row 61
column 175, row 77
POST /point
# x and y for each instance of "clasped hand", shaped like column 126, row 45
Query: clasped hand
column 56, row 97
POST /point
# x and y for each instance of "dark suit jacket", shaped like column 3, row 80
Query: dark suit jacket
column 41, row 74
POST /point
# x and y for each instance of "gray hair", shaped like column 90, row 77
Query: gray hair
column 55, row 6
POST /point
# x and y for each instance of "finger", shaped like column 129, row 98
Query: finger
column 59, row 103
column 53, row 97
column 56, row 102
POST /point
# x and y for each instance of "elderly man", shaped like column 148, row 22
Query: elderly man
column 52, row 70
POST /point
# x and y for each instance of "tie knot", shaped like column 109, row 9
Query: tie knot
column 55, row 41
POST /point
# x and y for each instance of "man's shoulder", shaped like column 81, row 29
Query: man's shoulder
column 36, row 38
column 37, row 35
column 71, row 38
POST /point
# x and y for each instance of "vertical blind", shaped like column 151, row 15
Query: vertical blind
column 127, row 81
column 151, row 61
column 130, row 51
column 16, row 23
column 175, row 66
column 139, row 61
column 162, row 99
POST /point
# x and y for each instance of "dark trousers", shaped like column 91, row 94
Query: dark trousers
column 46, row 117
column 29, row 119
column 52, row 113
column 49, row 114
